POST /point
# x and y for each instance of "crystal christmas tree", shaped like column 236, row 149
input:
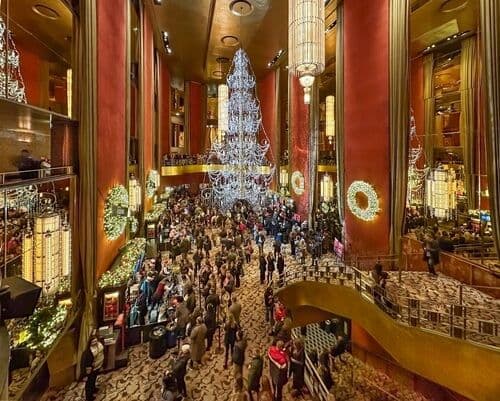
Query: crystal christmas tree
column 244, row 173
column 11, row 81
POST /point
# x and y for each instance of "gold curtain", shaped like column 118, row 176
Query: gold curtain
column 467, row 120
column 490, row 46
column 429, row 109
column 398, row 115
column 87, row 76
column 339, row 110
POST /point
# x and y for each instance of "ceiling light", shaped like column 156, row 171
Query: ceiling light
column 157, row 2
column 306, row 46
column 230, row 41
column 45, row 11
column 169, row 50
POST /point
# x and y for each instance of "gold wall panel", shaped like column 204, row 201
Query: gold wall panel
column 168, row 171
column 464, row 367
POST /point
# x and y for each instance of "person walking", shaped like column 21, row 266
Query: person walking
column 254, row 374
column 238, row 357
column 269, row 304
column 211, row 324
column 230, row 329
column 179, row 369
column 262, row 268
column 297, row 366
column 198, row 335
column 93, row 360
column 280, row 265
column 278, row 368
column 235, row 310
column 270, row 267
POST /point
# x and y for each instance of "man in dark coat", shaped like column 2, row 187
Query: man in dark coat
column 92, row 361
column 254, row 374
column 180, row 367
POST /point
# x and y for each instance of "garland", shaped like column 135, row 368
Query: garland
column 114, row 224
column 43, row 327
column 152, row 183
column 123, row 267
column 155, row 213
column 370, row 212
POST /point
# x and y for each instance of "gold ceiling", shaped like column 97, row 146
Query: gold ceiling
column 197, row 31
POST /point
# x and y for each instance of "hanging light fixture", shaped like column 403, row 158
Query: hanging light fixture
column 441, row 191
column 134, row 194
column 326, row 188
column 222, row 111
column 47, row 251
column 330, row 118
column 306, row 41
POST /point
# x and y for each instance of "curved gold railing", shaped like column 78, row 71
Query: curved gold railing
column 447, row 344
column 474, row 324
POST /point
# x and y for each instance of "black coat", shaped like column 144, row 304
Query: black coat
column 297, row 366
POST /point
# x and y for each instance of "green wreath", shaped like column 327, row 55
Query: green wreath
column 114, row 221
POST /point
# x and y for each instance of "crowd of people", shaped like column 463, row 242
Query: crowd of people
column 193, row 286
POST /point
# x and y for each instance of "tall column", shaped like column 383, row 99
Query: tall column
column 267, row 93
column 366, row 123
column 490, row 42
column 110, row 144
column 299, row 149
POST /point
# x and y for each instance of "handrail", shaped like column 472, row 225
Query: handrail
column 40, row 173
column 474, row 324
column 313, row 380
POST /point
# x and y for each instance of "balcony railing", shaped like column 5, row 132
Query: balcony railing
column 14, row 177
column 470, row 323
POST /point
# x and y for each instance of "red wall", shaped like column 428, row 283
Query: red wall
column 299, row 144
column 266, row 93
column 111, row 91
column 35, row 76
column 164, row 107
column 366, row 118
column 147, row 74
column 196, row 131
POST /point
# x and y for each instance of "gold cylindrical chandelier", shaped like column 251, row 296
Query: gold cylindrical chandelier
column 326, row 188
column 306, row 41
column 222, row 110
column 330, row 118
column 47, row 251
column 134, row 194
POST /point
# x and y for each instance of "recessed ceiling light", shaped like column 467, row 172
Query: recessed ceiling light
column 241, row 8
column 222, row 60
column 230, row 41
column 157, row 2
column 45, row 11
column 450, row 6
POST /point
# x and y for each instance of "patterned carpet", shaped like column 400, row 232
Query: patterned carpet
column 141, row 379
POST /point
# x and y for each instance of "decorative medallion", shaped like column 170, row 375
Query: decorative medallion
column 298, row 183
column 116, row 212
column 366, row 212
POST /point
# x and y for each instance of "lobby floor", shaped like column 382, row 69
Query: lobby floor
column 141, row 379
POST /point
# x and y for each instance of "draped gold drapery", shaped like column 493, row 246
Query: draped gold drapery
column 467, row 116
column 490, row 46
column 429, row 109
column 87, row 76
column 398, row 115
column 339, row 110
